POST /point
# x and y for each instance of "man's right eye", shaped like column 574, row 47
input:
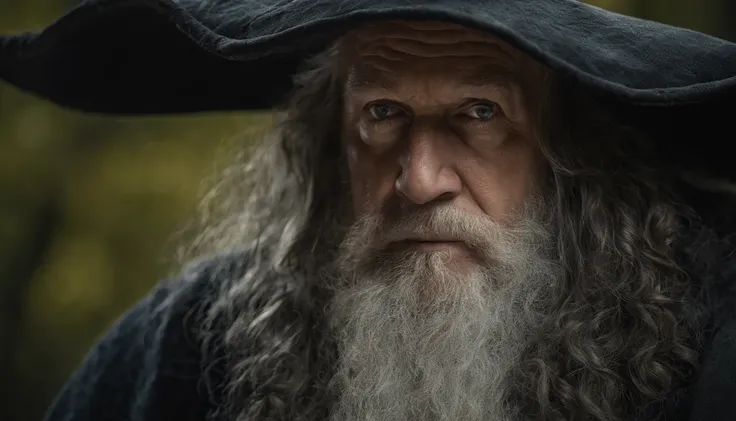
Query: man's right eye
column 382, row 111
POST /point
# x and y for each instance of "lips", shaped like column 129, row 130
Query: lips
column 425, row 244
column 429, row 240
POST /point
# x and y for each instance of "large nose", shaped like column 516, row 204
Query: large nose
column 427, row 169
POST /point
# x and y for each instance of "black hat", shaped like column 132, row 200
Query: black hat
column 176, row 56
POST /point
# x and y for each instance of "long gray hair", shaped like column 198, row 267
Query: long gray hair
column 622, row 334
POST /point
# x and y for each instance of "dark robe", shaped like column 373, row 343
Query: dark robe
column 149, row 366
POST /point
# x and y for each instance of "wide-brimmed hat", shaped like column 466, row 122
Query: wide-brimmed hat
column 180, row 56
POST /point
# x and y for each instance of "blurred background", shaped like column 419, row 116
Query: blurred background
column 92, row 206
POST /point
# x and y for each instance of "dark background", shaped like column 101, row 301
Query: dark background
column 91, row 207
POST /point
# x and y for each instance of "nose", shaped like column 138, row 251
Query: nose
column 427, row 173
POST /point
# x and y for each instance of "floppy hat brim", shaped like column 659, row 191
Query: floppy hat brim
column 165, row 56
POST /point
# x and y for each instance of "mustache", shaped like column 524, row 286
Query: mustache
column 372, row 235
column 398, row 221
column 432, row 223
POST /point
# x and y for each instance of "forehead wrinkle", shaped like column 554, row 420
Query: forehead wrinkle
column 491, row 74
column 366, row 79
column 395, row 39
column 375, row 68
column 426, row 32
column 399, row 48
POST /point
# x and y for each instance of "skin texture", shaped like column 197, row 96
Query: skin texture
column 438, row 113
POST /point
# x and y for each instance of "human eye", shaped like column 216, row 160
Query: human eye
column 380, row 111
column 484, row 111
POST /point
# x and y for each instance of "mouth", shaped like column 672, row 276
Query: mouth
column 427, row 245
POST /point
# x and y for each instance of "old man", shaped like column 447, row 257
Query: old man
column 469, row 211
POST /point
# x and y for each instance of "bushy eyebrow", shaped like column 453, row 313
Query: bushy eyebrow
column 369, row 81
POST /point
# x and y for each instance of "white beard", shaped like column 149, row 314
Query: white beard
column 422, row 341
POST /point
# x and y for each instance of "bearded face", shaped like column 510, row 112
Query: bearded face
column 442, row 278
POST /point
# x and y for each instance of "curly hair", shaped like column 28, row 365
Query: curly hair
column 622, row 336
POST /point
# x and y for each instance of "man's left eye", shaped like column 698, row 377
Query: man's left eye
column 482, row 112
column 382, row 111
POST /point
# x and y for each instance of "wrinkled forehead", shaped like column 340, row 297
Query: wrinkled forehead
column 377, row 53
column 375, row 36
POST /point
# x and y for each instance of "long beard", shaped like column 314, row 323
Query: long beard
column 421, row 338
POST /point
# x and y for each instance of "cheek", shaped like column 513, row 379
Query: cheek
column 500, row 180
column 371, row 179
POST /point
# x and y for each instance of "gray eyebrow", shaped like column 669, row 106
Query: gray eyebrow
column 368, row 81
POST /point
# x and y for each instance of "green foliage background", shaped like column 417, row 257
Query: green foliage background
column 89, row 206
